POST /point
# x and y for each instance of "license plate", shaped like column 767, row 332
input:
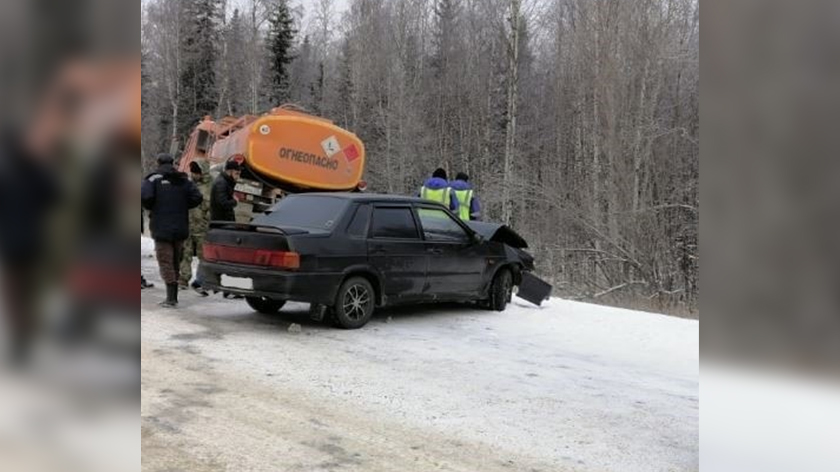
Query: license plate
column 237, row 282
column 248, row 188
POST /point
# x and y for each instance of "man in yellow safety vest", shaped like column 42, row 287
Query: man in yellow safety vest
column 437, row 189
column 469, row 208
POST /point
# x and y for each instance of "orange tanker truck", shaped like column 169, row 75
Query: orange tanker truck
column 284, row 151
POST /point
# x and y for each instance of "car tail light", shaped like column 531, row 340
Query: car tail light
column 249, row 256
column 362, row 187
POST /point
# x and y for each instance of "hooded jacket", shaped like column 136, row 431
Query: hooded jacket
column 169, row 195
column 435, row 184
column 475, row 206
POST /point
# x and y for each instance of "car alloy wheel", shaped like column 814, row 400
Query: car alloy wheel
column 354, row 303
column 357, row 301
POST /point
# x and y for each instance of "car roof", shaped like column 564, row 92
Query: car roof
column 368, row 197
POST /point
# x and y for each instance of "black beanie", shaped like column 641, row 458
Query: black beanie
column 463, row 177
column 195, row 168
column 233, row 165
column 165, row 158
column 439, row 173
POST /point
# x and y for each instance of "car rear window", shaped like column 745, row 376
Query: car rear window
column 394, row 223
column 361, row 220
column 321, row 213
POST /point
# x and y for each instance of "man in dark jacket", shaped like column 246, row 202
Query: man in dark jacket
column 169, row 196
column 29, row 192
column 222, row 203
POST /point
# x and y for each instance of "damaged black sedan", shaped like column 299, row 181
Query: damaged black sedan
column 347, row 254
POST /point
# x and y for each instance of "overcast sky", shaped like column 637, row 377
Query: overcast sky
column 308, row 5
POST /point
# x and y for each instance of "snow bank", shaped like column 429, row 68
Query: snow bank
column 665, row 343
column 147, row 247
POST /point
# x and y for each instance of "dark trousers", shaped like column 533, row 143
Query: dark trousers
column 169, row 256
column 19, row 288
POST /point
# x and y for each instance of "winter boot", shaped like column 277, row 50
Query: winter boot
column 199, row 289
column 144, row 284
column 171, row 296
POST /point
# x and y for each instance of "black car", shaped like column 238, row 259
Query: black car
column 348, row 253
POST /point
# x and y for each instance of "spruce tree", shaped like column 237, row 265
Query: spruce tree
column 199, row 94
column 237, row 67
column 280, row 41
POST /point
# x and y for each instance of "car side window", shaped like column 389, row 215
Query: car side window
column 361, row 220
column 394, row 223
column 439, row 226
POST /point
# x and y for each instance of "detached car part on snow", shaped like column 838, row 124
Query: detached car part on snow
column 348, row 253
column 531, row 287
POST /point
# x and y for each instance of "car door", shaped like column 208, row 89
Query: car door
column 456, row 260
column 397, row 252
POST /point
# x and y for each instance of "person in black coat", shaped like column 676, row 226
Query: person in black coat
column 29, row 191
column 169, row 195
column 222, row 203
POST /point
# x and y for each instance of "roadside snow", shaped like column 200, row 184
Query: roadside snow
column 147, row 247
column 569, row 386
column 768, row 421
column 655, row 343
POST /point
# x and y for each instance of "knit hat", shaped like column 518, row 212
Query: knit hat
column 195, row 168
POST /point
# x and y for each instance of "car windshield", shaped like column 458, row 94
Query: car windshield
column 307, row 212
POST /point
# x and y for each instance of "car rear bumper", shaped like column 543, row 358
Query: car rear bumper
column 291, row 286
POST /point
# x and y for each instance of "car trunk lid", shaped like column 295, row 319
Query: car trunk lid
column 253, row 245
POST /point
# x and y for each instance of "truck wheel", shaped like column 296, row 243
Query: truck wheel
column 354, row 303
column 501, row 291
column 266, row 306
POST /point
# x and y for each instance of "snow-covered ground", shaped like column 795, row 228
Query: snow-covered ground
column 570, row 386
column 769, row 421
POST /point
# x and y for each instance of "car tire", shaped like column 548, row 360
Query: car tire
column 266, row 306
column 501, row 291
column 354, row 303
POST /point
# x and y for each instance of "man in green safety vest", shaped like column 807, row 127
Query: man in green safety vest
column 469, row 208
column 437, row 189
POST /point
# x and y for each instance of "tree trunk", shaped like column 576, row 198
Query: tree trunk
column 512, row 108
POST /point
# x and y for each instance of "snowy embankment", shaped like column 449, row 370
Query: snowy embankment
column 569, row 386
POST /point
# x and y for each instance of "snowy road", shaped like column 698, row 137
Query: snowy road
column 568, row 387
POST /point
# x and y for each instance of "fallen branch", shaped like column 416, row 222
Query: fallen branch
column 617, row 288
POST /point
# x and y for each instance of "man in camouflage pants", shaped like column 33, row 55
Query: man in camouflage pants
column 199, row 222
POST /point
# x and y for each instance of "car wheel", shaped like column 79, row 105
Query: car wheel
column 266, row 306
column 354, row 303
column 501, row 291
